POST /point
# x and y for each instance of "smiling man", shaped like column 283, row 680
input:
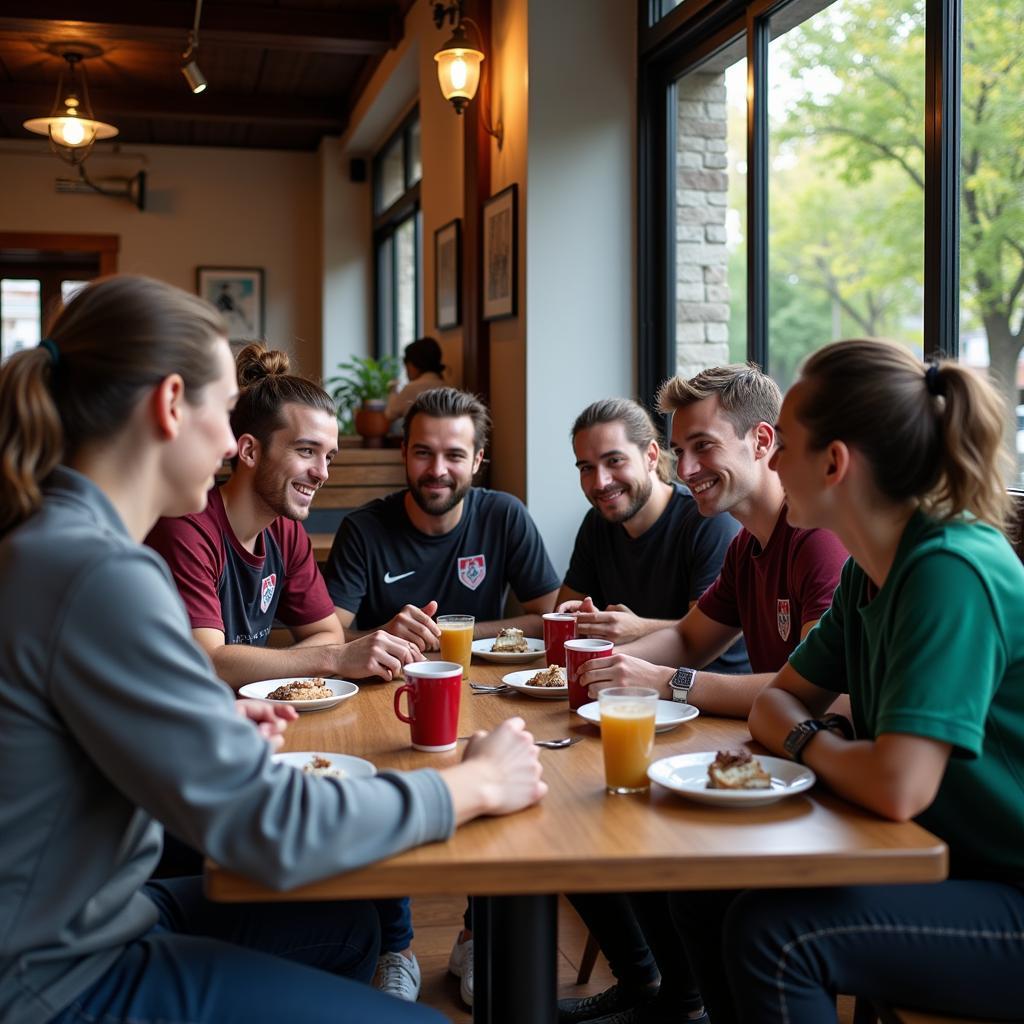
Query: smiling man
column 643, row 553
column 246, row 559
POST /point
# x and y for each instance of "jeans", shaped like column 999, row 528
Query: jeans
column 783, row 955
column 639, row 938
column 251, row 963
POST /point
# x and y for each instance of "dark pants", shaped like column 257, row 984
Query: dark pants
column 218, row 963
column 638, row 937
column 784, row 955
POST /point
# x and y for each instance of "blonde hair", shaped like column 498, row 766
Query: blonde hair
column 746, row 394
column 931, row 433
column 636, row 421
column 115, row 339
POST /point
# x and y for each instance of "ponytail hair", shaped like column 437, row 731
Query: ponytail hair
column 115, row 340
column 637, row 423
column 265, row 387
column 932, row 433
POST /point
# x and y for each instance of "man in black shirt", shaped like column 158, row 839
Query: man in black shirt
column 441, row 545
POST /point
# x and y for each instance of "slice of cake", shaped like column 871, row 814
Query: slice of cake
column 552, row 676
column 510, row 641
column 737, row 769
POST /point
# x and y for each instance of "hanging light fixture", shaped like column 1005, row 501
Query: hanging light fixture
column 458, row 63
column 70, row 126
column 189, row 68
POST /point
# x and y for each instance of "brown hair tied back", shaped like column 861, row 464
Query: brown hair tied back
column 934, row 435
column 637, row 423
column 116, row 339
column 265, row 387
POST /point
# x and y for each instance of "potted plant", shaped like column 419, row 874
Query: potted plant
column 361, row 392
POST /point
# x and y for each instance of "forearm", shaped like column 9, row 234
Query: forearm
column 531, row 625
column 471, row 795
column 728, row 696
column 662, row 647
column 238, row 664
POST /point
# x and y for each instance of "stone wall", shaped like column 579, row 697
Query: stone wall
column 702, row 182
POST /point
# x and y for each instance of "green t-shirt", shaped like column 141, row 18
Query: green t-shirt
column 939, row 652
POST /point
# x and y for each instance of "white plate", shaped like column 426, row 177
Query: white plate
column 353, row 767
column 518, row 681
column 482, row 649
column 670, row 713
column 341, row 688
column 688, row 774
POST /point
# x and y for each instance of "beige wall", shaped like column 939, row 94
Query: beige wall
column 206, row 207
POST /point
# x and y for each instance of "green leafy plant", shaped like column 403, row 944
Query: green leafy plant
column 362, row 379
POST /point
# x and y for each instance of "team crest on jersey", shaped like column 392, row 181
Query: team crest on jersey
column 267, row 588
column 472, row 571
column 782, row 614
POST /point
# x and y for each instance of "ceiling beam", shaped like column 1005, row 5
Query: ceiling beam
column 358, row 32
column 110, row 104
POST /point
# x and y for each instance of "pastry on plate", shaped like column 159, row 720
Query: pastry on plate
column 737, row 769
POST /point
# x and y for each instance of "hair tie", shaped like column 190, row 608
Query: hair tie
column 932, row 381
column 51, row 346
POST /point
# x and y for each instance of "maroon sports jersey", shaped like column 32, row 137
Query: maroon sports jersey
column 225, row 587
column 772, row 594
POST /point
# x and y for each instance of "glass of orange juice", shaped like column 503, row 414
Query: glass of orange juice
column 457, row 639
column 627, row 736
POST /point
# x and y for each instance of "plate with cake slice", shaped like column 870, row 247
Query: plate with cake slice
column 547, row 683
column 731, row 778
column 304, row 694
column 509, row 647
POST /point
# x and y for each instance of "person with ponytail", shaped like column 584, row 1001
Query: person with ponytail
column 112, row 720
column 905, row 463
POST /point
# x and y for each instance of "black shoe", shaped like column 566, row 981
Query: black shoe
column 648, row 1013
column 617, row 1003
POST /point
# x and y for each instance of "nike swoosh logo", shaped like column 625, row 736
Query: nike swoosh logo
column 388, row 578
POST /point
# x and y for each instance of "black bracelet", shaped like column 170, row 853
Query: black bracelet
column 840, row 724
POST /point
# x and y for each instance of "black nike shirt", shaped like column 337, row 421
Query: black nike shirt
column 380, row 562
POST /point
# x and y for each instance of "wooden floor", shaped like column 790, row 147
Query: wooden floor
column 438, row 920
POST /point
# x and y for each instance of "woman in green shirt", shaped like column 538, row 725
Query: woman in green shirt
column 926, row 634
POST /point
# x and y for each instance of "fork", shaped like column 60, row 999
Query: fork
column 479, row 688
column 559, row 744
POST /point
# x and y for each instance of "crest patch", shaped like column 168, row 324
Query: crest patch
column 783, row 617
column 267, row 588
column 472, row 570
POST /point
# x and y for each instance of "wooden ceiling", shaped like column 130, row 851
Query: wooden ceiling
column 282, row 73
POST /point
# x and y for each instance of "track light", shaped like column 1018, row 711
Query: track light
column 189, row 67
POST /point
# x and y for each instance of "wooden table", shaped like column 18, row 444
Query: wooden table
column 580, row 839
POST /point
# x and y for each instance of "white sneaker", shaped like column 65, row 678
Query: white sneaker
column 460, row 963
column 398, row 976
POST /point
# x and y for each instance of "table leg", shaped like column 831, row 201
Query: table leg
column 515, row 950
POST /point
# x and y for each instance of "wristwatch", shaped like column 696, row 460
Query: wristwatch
column 840, row 725
column 799, row 736
column 681, row 683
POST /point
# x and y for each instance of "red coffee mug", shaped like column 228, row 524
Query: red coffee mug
column 577, row 654
column 558, row 627
column 434, row 689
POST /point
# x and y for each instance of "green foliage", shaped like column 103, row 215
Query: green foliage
column 363, row 378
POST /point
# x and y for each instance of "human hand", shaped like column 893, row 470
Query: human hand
column 417, row 625
column 623, row 670
column 616, row 623
column 270, row 719
column 376, row 654
column 572, row 607
column 506, row 764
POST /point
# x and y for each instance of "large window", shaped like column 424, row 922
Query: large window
column 397, row 170
column 837, row 142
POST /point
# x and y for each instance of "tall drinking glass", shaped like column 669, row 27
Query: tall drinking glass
column 457, row 639
column 627, row 736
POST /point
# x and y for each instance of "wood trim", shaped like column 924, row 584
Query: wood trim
column 53, row 241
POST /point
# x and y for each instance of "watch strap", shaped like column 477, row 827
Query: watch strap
column 799, row 736
column 680, row 684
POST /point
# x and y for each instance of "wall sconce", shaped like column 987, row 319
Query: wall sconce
column 70, row 126
column 189, row 68
column 458, row 64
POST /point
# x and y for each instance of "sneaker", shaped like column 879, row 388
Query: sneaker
column 460, row 963
column 398, row 976
column 614, row 1003
column 647, row 1013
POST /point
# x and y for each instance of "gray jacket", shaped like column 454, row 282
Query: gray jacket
column 110, row 717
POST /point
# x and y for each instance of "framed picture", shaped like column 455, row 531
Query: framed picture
column 448, row 274
column 237, row 292
column 501, row 257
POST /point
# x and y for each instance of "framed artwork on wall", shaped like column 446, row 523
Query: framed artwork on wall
column 500, row 253
column 448, row 275
column 237, row 292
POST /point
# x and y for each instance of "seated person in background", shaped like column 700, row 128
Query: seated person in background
column 441, row 544
column 776, row 580
column 246, row 559
column 643, row 553
column 906, row 464
column 775, row 583
column 113, row 719
column 423, row 367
